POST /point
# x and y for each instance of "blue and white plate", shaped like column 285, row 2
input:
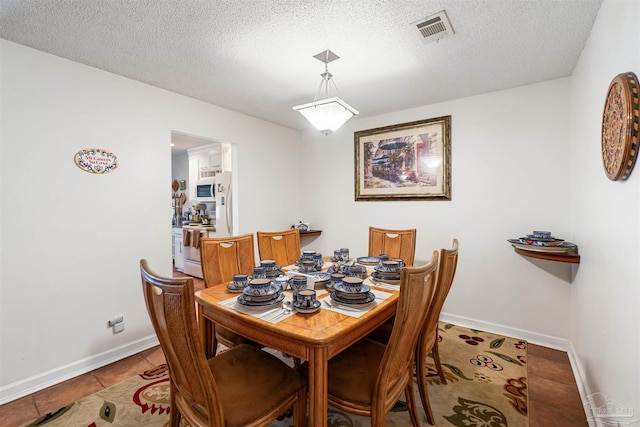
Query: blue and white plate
column 393, row 281
column 260, row 304
column 320, row 276
column 368, row 260
column 369, row 297
column 306, row 310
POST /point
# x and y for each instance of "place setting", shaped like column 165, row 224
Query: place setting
column 387, row 273
column 268, row 269
column 309, row 261
column 261, row 298
column 352, row 297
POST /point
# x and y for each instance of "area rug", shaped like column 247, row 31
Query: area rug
column 486, row 387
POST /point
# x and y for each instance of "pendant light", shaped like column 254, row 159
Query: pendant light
column 329, row 113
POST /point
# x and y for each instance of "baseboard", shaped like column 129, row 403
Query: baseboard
column 532, row 337
column 583, row 386
column 41, row 381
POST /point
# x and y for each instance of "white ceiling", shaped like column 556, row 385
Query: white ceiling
column 256, row 56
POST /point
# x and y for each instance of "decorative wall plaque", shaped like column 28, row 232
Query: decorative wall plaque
column 620, row 127
column 96, row 160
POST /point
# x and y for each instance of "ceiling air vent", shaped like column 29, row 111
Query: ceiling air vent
column 433, row 27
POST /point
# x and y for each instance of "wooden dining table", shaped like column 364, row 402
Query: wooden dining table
column 314, row 337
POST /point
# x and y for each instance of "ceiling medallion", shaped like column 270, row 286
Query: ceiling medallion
column 620, row 127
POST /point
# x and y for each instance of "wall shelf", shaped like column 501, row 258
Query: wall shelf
column 571, row 256
column 310, row 233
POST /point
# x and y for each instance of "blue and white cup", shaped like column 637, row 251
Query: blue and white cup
column 308, row 254
column 337, row 255
column 298, row 283
column 336, row 279
column 390, row 266
column 240, row 280
column 352, row 284
column 259, row 272
column 344, row 252
column 260, row 286
column 269, row 264
column 382, row 258
column 306, row 298
column 317, row 257
column 307, row 265
column 400, row 262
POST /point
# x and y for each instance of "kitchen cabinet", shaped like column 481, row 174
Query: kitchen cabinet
column 204, row 163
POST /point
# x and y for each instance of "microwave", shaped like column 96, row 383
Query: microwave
column 205, row 191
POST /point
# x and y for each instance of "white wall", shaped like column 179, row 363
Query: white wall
column 605, row 218
column 71, row 241
column 509, row 177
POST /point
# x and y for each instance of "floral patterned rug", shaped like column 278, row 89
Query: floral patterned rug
column 486, row 387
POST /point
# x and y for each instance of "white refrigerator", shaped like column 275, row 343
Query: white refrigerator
column 224, row 216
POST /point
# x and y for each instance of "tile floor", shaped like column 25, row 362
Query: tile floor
column 553, row 394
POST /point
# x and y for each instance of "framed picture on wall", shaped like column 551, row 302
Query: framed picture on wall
column 408, row 161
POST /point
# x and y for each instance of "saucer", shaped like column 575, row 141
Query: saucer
column 231, row 287
column 306, row 310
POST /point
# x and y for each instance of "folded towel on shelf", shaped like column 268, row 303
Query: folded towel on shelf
column 195, row 238
column 186, row 237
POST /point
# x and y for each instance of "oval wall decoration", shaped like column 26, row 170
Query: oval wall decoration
column 96, row 160
column 620, row 127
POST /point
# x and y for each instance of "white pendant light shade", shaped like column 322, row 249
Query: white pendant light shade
column 327, row 115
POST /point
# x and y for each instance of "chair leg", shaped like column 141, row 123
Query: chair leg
column 436, row 359
column 300, row 409
column 175, row 415
column 411, row 403
column 421, row 374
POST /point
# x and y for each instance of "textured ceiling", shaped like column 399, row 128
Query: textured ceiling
column 256, row 56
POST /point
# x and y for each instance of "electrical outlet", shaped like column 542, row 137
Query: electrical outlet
column 116, row 320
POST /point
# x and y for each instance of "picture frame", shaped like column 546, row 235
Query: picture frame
column 407, row 161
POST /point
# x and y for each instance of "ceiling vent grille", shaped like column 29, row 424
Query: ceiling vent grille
column 433, row 27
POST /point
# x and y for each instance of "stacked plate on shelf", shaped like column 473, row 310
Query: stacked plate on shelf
column 352, row 291
column 542, row 241
column 261, row 294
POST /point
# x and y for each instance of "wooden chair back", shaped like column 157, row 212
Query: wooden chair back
column 201, row 388
column 428, row 342
column 222, row 257
column 282, row 246
column 446, row 273
column 395, row 243
column 171, row 306
column 396, row 369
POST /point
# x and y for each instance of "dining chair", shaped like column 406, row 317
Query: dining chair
column 282, row 246
column 395, row 243
column 368, row 377
column 221, row 259
column 242, row 386
column 428, row 341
